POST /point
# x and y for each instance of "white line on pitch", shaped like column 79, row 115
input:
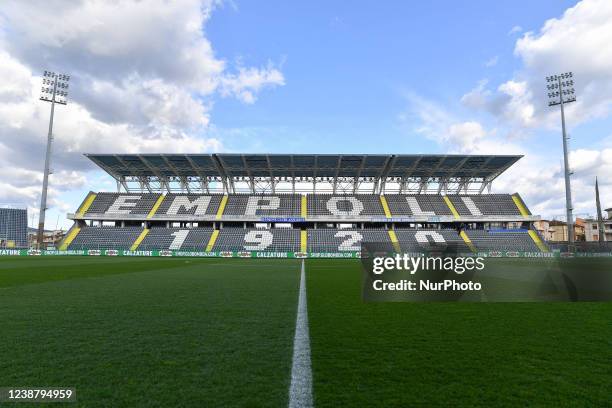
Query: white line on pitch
column 300, row 391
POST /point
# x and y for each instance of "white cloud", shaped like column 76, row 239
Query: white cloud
column 577, row 41
column 144, row 77
column 590, row 163
column 466, row 135
column 152, row 102
column 516, row 29
column 511, row 103
column 477, row 97
column 453, row 134
column 15, row 83
column 112, row 40
column 249, row 81
column 537, row 177
column 518, row 108
column 76, row 131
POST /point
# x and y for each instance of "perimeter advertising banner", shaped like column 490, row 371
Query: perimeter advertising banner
column 274, row 254
column 179, row 253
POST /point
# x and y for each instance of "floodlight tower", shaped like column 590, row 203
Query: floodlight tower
column 55, row 90
column 561, row 91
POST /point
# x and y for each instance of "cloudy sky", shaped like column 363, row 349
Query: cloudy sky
column 314, row 77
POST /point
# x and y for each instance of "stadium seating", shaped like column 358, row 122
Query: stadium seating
column 325, row 208
column 485, row 205
column 286, row 239
column 277, row 205
column 320, row 206
column 502, row 240
column 309, row 199
column 176, row 238
column 121, row 204
column 13, row 228
column 334, row 240
column 105, row 238
column 344, row 206
column 417, row 205
column 253, row 239
column 189, row 205
column 412, row 240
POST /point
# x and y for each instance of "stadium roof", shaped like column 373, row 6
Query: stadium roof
column 231, row 167
column 301, row 165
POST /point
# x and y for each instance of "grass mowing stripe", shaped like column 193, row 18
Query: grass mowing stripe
column 26, row 271
column 300, row 391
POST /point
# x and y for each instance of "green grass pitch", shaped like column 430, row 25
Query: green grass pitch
column 453, row 354
column 150, row 332
column 219, row 332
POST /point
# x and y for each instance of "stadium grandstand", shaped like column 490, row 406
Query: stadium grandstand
column 13, row 227
column 301, row 205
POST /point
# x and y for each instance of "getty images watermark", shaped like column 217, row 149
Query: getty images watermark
column 413, row 264
column 443, row 273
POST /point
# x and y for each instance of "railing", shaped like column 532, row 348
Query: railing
column 297, row 218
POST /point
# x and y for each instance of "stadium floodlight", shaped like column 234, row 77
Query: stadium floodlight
column 55, row 90
column 561, row 91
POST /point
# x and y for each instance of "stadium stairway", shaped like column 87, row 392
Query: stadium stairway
column 86, row 203
column 213, row 239
column 156, row 206
column 221, row 207
column 303, row 240
column 140, row 238
column 70, row 236
column 520, row 204
column 536, row 239
column 304, row 209
column 385, row 205
column 394, row 241
column 467, row 241
column 451, row 207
